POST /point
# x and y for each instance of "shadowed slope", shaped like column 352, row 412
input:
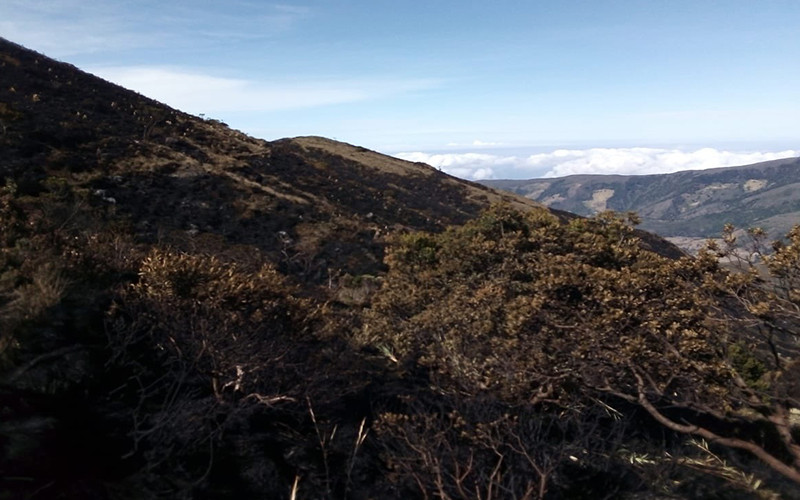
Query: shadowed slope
column 311, row 203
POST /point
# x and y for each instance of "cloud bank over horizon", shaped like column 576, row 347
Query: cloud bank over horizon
column 606, row 161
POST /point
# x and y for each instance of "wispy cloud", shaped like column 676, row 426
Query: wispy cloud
column 69, row 27
column 213, row 94
column 243, row 20
column 562, row 162
column 295, row 10
column 65, row 28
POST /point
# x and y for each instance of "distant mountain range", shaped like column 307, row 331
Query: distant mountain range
column 682, row 206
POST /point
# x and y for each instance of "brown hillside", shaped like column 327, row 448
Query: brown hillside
column 309, row 202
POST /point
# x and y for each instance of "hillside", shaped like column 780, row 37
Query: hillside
column 189, row 312
column 179, row 177
column 324, row 203
column 693, row 204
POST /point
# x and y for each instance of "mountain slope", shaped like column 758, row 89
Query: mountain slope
column 311, row 203
column 179, row 178
column 683, row 204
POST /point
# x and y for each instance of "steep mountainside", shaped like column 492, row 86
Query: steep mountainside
column 311, row 203
column 683, row 204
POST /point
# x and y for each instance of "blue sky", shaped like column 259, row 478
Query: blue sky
column 479, row 87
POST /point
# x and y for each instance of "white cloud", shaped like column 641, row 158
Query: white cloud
column 636, row 161
column 563, row 162
column 482, row 173
column 195, row 92
column 66, row 28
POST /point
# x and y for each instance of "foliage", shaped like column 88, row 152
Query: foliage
column 521, row 305
column 57, row 258
column 523, row 309
column 515, row 356
column 478, row 448
column 200, row 340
